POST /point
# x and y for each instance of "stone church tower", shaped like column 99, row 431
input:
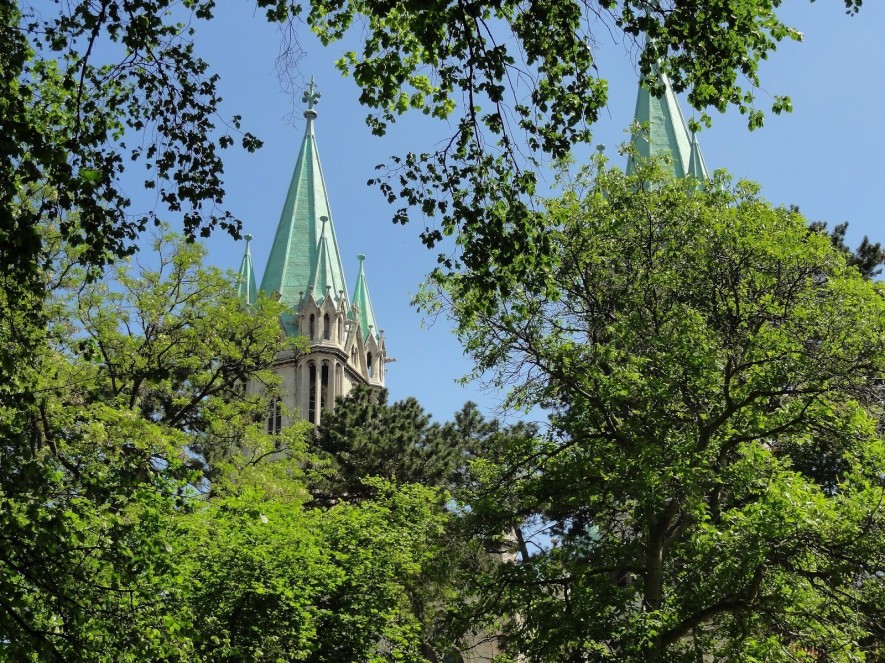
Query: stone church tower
column 305, row 272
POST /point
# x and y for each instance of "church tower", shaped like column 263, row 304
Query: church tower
column 665, row 133
column 304, row 271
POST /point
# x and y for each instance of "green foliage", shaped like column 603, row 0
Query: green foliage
column 868, row 257
column 92, row 87
column 713, row 481
column 366, row 437
column 520, row 84
column 365, row 440
column 97, row 87
column 275, row 582
column 136, row 375
column 146, row 516
column 709, row 364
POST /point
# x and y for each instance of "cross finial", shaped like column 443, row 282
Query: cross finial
column 311, row 97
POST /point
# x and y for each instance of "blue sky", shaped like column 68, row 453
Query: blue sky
column 826, row 157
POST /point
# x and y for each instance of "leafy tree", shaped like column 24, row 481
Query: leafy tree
column 272, row 581
column 94, row 78
column 712, row 484
column 868, row 257
column 365, row 437
column 138, row 373
column 105, row 83
column 146, row 516
column 521, row 86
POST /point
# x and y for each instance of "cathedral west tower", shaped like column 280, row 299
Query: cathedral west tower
column 304, row 271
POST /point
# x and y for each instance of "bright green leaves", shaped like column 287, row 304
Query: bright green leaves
column 147, row 516
column 133, row 398
column 273, row 581
column 713, row 367
column 520, row 85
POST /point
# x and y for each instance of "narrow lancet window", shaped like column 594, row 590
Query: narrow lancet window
column 275, row 417
column 324, row 389
column 312, row 394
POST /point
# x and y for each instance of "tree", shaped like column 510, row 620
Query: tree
column 137, row 374
column 868, row 257
column 145, row 515
column 521, row 85
column 365, row 437
column 103, row 84
column 713, row 479
column 268, row 580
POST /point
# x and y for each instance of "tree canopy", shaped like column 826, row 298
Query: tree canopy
column 102, row 87
column 367, row 437
column 713, row 481
column 145, row 514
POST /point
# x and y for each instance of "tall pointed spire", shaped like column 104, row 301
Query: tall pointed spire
column 667, row 132
column 246, row 288
column 297, row 245
column 364, row 303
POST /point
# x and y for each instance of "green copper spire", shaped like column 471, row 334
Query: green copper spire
column 297, row 248
column 667, row 133
column 696, row 166
column 324, row 280
column 246, row 281
column 362, row 300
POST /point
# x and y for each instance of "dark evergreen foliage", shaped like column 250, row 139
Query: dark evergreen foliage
column 367, row 437
column 868, row 257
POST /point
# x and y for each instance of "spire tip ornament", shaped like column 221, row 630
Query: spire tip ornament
column 311, row 97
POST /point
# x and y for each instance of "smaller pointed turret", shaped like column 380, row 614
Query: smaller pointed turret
column 696, row 166
column 364, row 303
column 246, row 287
column 323, row 279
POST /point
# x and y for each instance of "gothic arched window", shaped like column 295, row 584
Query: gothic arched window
column 312, row 326
column 312, row 393
column 275, row 416
column 324, row 386
column 327, row 328
column 369, row 363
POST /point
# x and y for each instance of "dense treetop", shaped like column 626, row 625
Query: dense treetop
column 713, row 478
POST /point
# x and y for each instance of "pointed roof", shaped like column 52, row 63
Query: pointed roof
column 364, row 303
column 296, row 250
column 667, row 132
column 246, row 288
column 324, row 279
column 696, row 166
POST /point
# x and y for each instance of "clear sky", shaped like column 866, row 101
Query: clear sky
column 826, row 157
